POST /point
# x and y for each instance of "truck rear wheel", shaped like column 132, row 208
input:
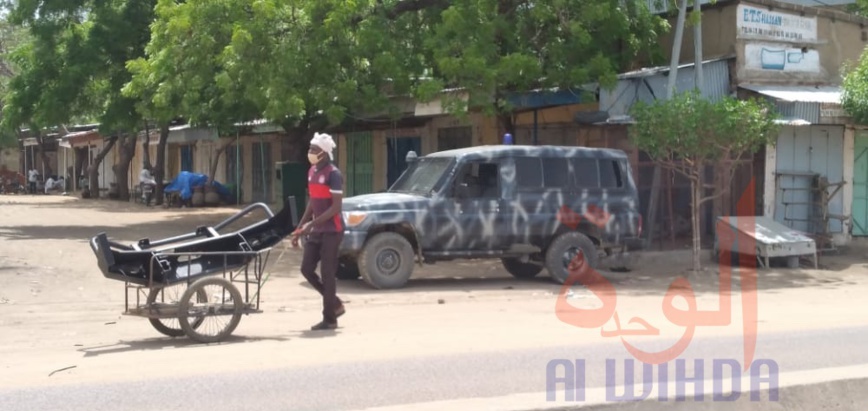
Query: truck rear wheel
column 386, row 261
column 564, row 249
column 520, row 269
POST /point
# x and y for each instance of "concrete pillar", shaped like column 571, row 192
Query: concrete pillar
column 769, row 186
column 847, row 189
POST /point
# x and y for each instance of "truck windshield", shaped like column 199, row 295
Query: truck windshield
column 422, row 176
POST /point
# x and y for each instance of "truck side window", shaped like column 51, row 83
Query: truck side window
column 528, row 173
column 610, row 174
column 478, row 180
column 556, row 173
column 585, row 173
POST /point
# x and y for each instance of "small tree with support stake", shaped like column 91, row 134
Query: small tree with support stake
column 689, row 132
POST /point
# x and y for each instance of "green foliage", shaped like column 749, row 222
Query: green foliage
column 288, row 62
column 860, row 7
column 11, row 37
column 492, row 48
column 689, row 132
column 74, row 66
column 854, row 90
column 697, row 130
column 218, row 62
column 180, row 72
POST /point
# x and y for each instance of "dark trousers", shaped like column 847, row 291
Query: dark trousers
column 323, row 248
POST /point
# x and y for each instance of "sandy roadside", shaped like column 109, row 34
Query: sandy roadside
column 58, row 312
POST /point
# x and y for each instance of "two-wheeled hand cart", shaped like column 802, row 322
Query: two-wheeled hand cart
column 190, row 283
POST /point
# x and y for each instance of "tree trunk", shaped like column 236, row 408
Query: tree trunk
column 93, row 169
column 216, row 160
column 146, row 152
column 160, row 165
column 46, row 167
column 69, row 180
column 695, row 190
column 670, row 177
column 505, row 120
column 121, row 167
column 298, row 139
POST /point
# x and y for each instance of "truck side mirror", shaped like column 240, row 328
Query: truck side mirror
column 411, row 157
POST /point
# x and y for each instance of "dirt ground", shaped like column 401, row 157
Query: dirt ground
column 57, row 311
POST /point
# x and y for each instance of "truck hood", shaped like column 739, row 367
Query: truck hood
column 383, row 201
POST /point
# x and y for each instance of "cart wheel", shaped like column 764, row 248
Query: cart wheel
column 223, row 299
column 171, row 295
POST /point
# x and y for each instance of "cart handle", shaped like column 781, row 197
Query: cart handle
column 224, row 223
column 244, row 212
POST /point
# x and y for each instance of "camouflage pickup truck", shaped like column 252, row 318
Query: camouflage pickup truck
column 532, row 207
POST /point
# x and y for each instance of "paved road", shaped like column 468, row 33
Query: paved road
column 368, row 384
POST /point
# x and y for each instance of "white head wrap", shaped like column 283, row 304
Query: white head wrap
column 325, row 142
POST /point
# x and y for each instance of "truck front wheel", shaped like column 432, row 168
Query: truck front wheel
column 386, row 261
column 564, row 249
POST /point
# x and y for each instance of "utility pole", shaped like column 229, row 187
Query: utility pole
column 650, row 218
column 697, row 45
column 676, row 48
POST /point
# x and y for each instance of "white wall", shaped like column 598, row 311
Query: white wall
column 10, row 158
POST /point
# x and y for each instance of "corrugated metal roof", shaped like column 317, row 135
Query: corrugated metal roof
column 657, row 6
column 819, row 3
column 801, row 94
column 78, row 133
column 650, row 84
column 650, row 71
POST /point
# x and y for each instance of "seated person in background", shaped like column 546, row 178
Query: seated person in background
column 54, row 183
column 147, row 181
column 145, row 177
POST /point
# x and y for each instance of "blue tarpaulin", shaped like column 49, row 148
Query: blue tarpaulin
column 184, row 183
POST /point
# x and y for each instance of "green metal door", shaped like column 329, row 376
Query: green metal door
column 293, row 178
column 860, row 185
column 360, row 164
column 262, row 172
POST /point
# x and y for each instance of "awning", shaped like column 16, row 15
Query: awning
column 188, row 134
column 80, row 138
column 800, row 94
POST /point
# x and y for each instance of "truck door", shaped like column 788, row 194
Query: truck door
column 473, row 218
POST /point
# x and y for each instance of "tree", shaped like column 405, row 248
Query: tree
column 854, row 90
column 304, row 65
column 492, row 48
column 11, row 37
column 75, row 67
column 310, row 64
column 181, row 76
column 44, row 95
column 689, row 132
